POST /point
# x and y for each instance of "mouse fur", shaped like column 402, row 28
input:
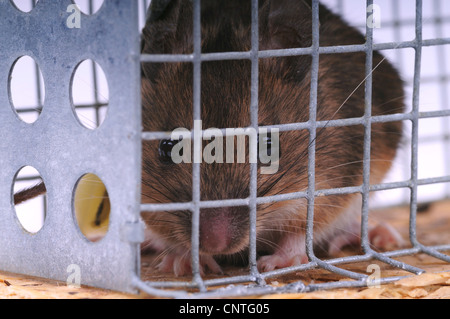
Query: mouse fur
column 284, row 95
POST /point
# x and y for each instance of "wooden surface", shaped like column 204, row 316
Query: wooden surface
column 433, row 228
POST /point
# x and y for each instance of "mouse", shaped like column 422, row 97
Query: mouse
column 283, row 98
column 284, row 88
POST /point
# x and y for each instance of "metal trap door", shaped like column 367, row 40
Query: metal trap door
column 59, row 37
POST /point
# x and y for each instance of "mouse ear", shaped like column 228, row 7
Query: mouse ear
column 167, row 30
column 157, row 9
column 286, row 24
column 168, row 21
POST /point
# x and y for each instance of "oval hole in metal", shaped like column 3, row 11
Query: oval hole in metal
column 91, row 207
column 30, row 213
column 26, row 89
column 24, row 5
column 89, row 7
column 89, row 94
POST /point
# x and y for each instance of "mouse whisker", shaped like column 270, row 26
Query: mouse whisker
column 164, row 195
column 267, row 242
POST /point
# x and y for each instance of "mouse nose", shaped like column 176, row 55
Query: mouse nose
column 220, row 228
column 215, row 232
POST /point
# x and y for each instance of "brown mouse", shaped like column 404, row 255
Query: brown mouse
column 284, row 93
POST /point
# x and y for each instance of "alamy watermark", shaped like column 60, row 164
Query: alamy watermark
column 374, row 280
column 264, row 146
column 74, row 276
column 73, row 21
column 374, row 17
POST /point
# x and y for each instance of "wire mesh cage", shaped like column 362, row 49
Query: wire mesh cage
column 65, row 137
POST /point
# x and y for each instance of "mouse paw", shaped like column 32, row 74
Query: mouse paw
column 180, row 264
column 278, row 261
column 290, row 252
column 337, row 243
column 382, row 237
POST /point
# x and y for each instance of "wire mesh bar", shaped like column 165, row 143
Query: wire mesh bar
column 150, row 136
column 254, row 121
column 312, row 152
column 367, row 136
column 290, row 196
column 415, row 141
column 365, row 243
column 195, row 243
column 222, row 56
column 312, row 132
column 442, row 62
column 290, row 270
column 415, row 126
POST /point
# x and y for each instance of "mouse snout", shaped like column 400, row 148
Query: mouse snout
column 222, row 230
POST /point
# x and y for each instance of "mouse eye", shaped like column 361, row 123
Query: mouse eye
column 267, row 141
column 165, row 150
column 267, row 145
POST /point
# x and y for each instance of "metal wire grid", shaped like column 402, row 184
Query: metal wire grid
column 443, row 78
column 257, row 279
column 438, row 22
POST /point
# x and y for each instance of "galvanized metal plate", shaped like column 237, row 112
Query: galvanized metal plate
column 62, row 150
